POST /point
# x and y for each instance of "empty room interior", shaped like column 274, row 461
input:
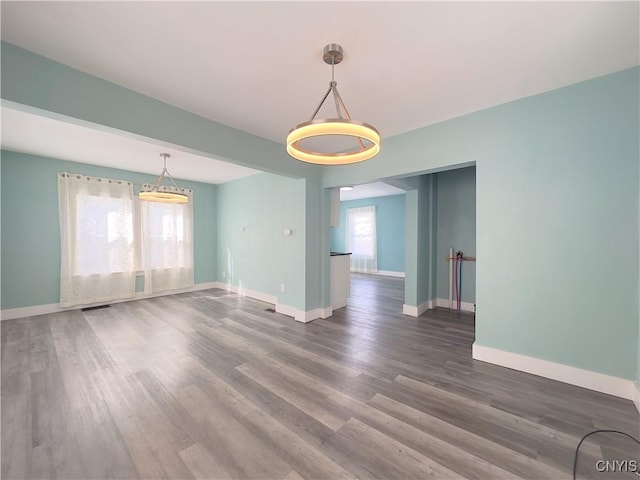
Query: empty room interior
column 320, row 240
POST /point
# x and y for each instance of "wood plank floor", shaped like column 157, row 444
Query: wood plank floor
column 212, row 385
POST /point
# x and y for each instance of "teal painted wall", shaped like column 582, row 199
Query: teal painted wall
column 31, row 234
column 420, row 217
column 426, row 227
column 556, row 203
column 456, row 228
column 316, row 260
column 389, row 229
column 253, row 251
column 412, row 240
column 429, row 244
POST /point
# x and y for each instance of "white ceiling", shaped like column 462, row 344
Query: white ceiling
column 369, row 190
column 37, row 135
column 257, row 66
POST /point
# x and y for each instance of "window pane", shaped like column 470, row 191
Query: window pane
column 361, row 226
column 104, row 235
column 166, row 244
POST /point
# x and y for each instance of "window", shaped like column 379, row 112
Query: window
column 102, row 247
column 97, row 239
column 104, row 232
column 361, row 239
column 167, row 245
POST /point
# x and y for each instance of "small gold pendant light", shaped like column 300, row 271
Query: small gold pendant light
column 162, row 193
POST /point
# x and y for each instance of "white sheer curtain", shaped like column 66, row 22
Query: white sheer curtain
column 96, row 235
column 361, row 239
column 167, row 245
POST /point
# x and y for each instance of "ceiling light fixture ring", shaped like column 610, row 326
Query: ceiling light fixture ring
column 333, row 126
column 342, row 125
column 161, row 193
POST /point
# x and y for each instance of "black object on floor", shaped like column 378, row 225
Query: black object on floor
column 98, row 307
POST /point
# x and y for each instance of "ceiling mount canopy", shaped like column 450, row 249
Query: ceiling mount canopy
column 162, row 193
column 366, row 136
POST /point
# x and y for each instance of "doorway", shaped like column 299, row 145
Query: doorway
column 432, row 214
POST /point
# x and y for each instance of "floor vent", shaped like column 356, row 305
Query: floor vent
column 98, row 307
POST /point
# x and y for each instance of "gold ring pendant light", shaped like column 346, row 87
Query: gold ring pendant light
column 161, row 193
column 342, row 125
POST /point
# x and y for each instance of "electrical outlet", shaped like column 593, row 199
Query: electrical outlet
column 282, row 288
column 224, row 274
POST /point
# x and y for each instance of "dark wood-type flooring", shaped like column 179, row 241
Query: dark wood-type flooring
column 212, row 385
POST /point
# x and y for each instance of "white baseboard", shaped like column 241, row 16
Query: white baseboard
column 416, row 311
column 619, row 387
column 240, row 290
column 313, row 314
column 21, row 312
column 388, row 273
column 636, row 395
column 464, row 306
column 11, row 313
column 296, row 313
column 320, row 312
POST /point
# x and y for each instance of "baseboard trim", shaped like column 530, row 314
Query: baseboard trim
column 464, row 306
column 245, row 292
column 636, row 395
column 388, row 273
column 289, row 311
column 297, row 314
column 416, row 311
column 600, row 382
column 314, row 314
column 21, row 312
column 304, row 316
